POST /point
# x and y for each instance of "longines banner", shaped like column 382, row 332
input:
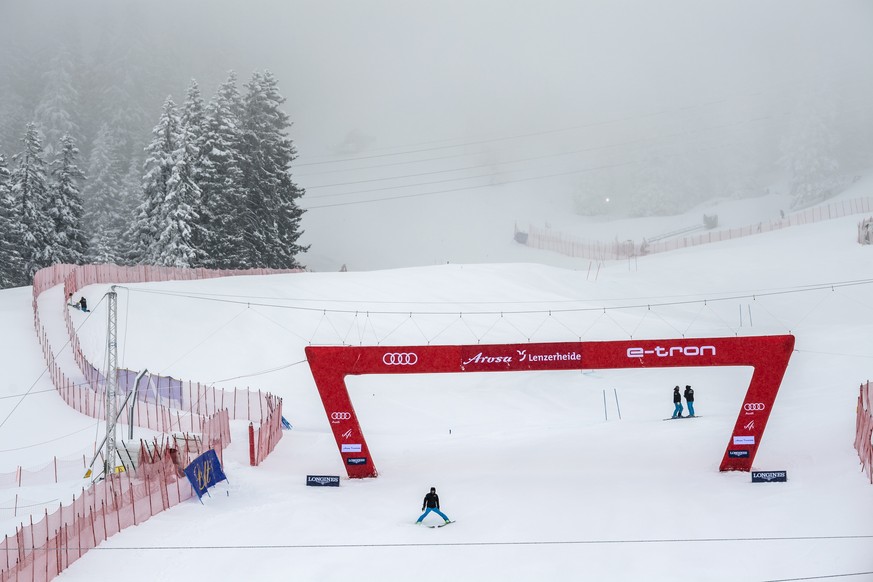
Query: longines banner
column 322, row 481
column 769, row 476
column 767, row 355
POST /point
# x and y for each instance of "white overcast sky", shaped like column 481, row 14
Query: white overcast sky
column 399, row 72
column 408, row 72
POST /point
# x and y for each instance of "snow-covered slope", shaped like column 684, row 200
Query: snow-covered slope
column 543, row 479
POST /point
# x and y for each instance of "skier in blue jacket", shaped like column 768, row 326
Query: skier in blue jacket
column 677, row 402
column 432, row 503
column 689, row 398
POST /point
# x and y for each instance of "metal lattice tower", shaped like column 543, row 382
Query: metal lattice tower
column 111, row 381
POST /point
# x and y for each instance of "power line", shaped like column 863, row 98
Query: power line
column 44, row 370
column 478, row 166
column 261, row 373
column 823, row 577
column 462, row 188
column 499, row 139
column 48, row 441
column 418, row 148
column 810, row 286
column 246, row 301
column 545, row 156
column 27, row 394
column 820, row 353
column 209, row 336
column 748, row 122
column 480, row 544
column 501, row 180
column 647, row 305
column 41, row 504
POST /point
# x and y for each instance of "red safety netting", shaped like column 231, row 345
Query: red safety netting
column 10, row 479
column 163, row 403
column 864, row 430
column 270, row 431
column 551, row 240
column 19, row 504
column 865, row 231
column 40, row 551
column 55, row 471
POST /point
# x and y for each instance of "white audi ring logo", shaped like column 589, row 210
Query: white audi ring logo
column 402, row 359
column 753, row 406
column 340, row 415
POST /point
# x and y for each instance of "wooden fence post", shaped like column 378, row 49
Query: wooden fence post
column 252, row 445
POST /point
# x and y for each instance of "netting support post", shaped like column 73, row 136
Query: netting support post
column 252, row 445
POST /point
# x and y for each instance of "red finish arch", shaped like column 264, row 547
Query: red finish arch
column 767, row 355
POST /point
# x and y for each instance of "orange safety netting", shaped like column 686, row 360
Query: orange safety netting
column 864, row 430
column 38, row 552
column 166, row 404
column 551, row 240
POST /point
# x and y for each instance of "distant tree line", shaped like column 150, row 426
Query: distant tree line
column 809, row 153
column 212, row 188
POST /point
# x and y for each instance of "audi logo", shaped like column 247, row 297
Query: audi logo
column 751, row 406
column 400, row 359
column 340, row 415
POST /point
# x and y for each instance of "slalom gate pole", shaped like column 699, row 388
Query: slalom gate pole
column 617, row 407
column 605, row 414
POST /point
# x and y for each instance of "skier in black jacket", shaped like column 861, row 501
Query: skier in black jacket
column 432, row 503
column 677, row 402
column 689, row 398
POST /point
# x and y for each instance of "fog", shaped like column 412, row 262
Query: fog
column 448, row 100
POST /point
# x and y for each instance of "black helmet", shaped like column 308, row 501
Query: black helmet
column 433, row 489
column 688, row 386
column 676, row 388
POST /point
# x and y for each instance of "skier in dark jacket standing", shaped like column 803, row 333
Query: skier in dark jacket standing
column 432, row 503
column 677, row 403
column 689, row 398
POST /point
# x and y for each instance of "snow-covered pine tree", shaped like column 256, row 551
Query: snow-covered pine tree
column 222, row 197
column 271, row 213
column 64, row 205
column 11, row 271
column 129, row 200
column 57, row 112
column 158, row 168
column 596, row 194
column 193, row 153
column 654, row 191
column 125, row 85
column 179, row 231
column 17, row 93
column 193, row 117
column 665, row 184
column 30, row 189
column 101, row 199
column 808, row 155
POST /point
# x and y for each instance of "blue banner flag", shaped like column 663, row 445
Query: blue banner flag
column 204, row 472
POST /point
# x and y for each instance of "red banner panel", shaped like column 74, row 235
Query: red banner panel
column 767, row 355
